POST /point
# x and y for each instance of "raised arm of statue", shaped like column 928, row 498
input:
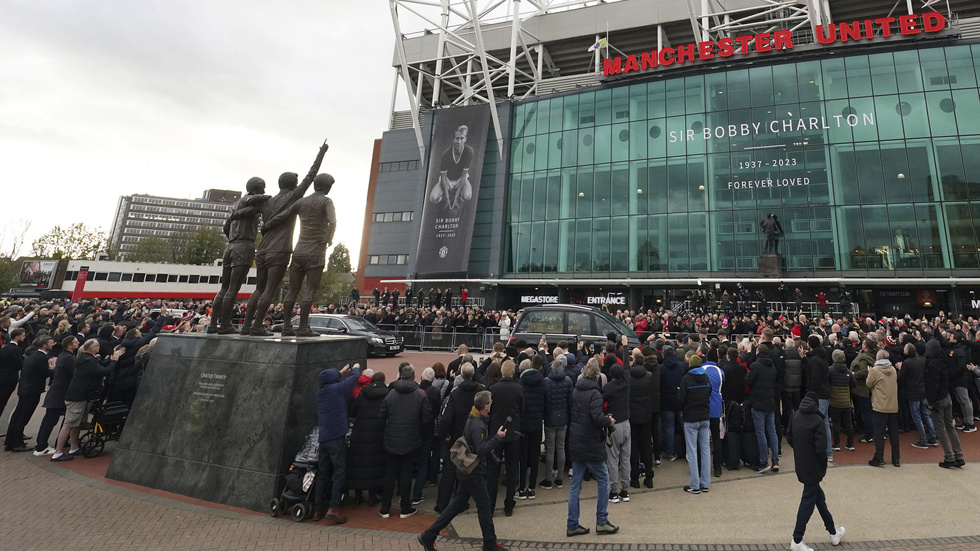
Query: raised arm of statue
column 308, row 180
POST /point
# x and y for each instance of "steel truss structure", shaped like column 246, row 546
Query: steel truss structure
column 714, row 21
column 461, row 71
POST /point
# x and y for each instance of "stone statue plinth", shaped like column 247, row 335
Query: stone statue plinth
column 220, row 418
column 770, row 265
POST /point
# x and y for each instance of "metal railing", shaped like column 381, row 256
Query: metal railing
column 436, row 338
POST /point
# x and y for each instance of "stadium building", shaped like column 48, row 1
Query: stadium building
column 626, row 152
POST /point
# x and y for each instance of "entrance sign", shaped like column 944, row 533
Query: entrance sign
column 884, row 27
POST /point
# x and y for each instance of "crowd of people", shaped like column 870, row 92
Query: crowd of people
column 713, row 388
column 714, row 400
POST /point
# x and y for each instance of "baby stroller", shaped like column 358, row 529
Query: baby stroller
column 300, row 481
column 106, row 424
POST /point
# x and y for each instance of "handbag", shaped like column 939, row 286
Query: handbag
column 462, row 456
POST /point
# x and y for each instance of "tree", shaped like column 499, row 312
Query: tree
column 77, row 241
column 9, row 274
column 337, row 279
column 204, row 247
column 12, row 237
column 151, row 249
column 339, row 261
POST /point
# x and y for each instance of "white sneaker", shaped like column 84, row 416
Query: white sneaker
column 47, row 451
column 793, row 546
column 835, row 538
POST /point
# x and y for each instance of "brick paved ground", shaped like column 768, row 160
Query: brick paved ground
column 46, row 507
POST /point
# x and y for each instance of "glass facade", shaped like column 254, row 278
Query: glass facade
column 870, row 162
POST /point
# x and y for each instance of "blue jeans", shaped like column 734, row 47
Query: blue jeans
column 923, row 421
column 824, row 406
column 671, row 418
column 765, row 428
column 698, row 436
column 598, row 470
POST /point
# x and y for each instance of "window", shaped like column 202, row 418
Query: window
column 538, row 321
column 127, row 277
column 250, row 281
column 194, row 279
column 172, row 278
column 182, row 279
column 214, row 280
column 149, row 278
column 115, row 276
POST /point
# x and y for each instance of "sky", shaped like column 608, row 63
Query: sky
column 100, row 99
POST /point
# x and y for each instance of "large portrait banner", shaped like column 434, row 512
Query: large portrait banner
column 452, row 188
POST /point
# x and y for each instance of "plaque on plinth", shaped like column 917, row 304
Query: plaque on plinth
column 220, row 418
column 769, row 265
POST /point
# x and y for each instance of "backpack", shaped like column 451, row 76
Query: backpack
column 734, row 416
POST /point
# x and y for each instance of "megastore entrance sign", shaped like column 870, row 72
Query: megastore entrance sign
column 868, row 29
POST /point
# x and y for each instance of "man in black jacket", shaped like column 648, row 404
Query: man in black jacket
column 54, row 400
column 762, row 380
column 405, row 411
column 33, row 377
column 616, row 394
column 642, row 394
column 816, row 364
column 808, row 437
column 509, row 397
column 694, row 398
column 450, row 427
column 85, row 380
column 912, row 381
column 587, row 450
column 11, row 362
column 941, row 406
column 478, row 437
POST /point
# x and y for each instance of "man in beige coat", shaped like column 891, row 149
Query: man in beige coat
column 883, row 382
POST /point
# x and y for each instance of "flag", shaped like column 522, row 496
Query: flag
column 929, row 3
column 601, row 43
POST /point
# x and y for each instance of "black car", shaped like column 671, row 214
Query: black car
column 569, row 322
column 379, row 341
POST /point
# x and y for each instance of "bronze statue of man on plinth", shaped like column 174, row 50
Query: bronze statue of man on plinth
column 272, row 256
column 772, row 229
column 317, row 222
column 241, row 228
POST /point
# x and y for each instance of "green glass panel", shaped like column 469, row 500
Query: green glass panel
column 600, row 245
column 760, row 86
column 888, row 116
column 619, row 245
column 785, row 84
column 566, row 245
column 657, row 187
column 638, row 139
column 555, row 114
column 638, row 254
column 603, row 144
column 716, row 86
column 638, row 102
column 883, row 74
column 863, row 109
column 553, row 207
column 675, row 96
column 942, row 115
column 678, row 258
column 971, row 161
column 551, row 248
column 697, row 144
column 677, row 185
column 514, row 212
column 834, row 79
column 677, row 136
column 536, row 264
column 516, row 155
column 966, row 107
column 583, row 246
column 858, row 76
column 932, row 63
column 657, row 137
column 544, row 116
column 907, row 71
column 921, row 174
column 603, row 107
column 570, row 112
column 600, row 194
column 519, row 120
column 927, row 247
column 657, row 99
column 837, row 113
column 717, row 122
column 620, row 104
column 871, row 184
column 584, row 198
column 952, row 175
column 809, row 77
column 638, row 187
column 916, row 121
column 694, row 94
column 962, row 235
column 620, row 142
column 527, row 198
column 569, row 148
column 529, row 121
column 586, row 146
column 619, row 192
column 554, row 151
column 738, row 89
column 895, row 174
